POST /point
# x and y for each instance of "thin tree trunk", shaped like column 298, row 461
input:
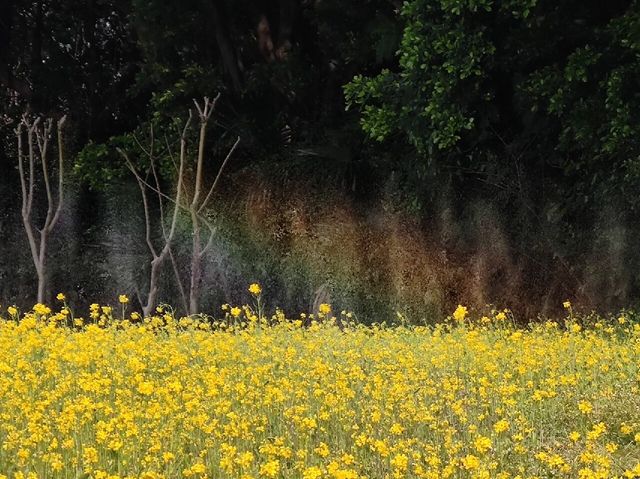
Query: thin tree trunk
column 179, row 282
column 152, row 297
column 42, row 267
column 41, row 285
column 196, row 265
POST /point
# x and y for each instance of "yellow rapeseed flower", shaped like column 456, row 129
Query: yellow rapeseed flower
column 400, row 462
column 470, row 462
column 322, row 450
column 460, row 313
column 501, row 426
column 271, row 468
column 585, row 407
column 482, row 444
column 41, row 309
column 312, row 472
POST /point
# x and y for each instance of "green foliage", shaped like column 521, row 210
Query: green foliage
column 443, row 56
column 99, row 164
column 482, row 78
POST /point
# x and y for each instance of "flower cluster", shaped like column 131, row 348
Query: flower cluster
column 253, row 397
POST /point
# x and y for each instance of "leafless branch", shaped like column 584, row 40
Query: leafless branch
column 215, row 182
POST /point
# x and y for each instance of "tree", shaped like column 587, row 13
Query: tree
column 194, row 202
column 158, row 257
column 483, row 84
column 38, row 137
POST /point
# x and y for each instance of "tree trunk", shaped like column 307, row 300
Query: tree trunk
column 196, row 265
column 152, row 298
column 41, row 286
column 42, row 267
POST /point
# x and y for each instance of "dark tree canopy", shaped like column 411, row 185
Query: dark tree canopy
column 529, row 106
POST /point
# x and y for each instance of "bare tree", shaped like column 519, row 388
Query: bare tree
column 197, row 205
column 159, row 255
column 38, row 134
column 193, row 201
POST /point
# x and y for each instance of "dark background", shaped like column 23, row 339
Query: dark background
column 394, row 157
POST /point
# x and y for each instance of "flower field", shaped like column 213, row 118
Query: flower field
column 279, row 398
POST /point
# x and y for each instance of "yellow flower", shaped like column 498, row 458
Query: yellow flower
column 145, row 388
column 348, row 459
column 585, row 407
column 501, row 316
column 12, row 310
column 396, row 429
column 501, row 426
column 312, row 472
column 90, row 455
column 123, row 299
column 235, row 311
column 324, row 308
column 41, row 309
column 460, row 313
column 470, row 462
column 322, row 450
column 61, row 297
column 245, row 459
column 254, row 288
column 574, row 436
column 198, row 468
column 271, row 468
column 482, row 444
column 400, row 462
column 567, row 304
column 633, row 473
column 596, row 431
